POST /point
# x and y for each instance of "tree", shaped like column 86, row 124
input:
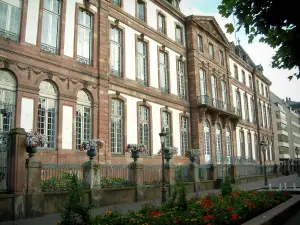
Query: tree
column 274, row 22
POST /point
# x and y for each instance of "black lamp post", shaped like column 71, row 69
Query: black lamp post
column 162, row 136
column 263, row 146
column 297, row 153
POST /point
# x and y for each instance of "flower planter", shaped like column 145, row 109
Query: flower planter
column 31, row 151
column 92, row 152
column 168, row 155
column 135, row 155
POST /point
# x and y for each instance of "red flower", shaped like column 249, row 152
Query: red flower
column 271, row 195
column 156, row 214
column 286, row 193
column 209, row 217
column 179, row 220
column 189, row 200
column 235, row 216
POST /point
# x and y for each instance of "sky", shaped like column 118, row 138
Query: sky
column 260, row 53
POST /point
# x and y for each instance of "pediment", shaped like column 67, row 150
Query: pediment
column 210, row 24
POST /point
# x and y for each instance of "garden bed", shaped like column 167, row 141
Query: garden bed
column 237, row 208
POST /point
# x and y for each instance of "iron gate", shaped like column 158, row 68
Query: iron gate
column 4, row 156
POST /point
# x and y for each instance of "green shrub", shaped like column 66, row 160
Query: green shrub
column 226, row 187
column 114, row 182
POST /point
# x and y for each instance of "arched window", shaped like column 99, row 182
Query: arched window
column 184, row 134
column 83, row 118
column 144, row 124
column 238, row 102
column 7, row 101
column 242, row 142
column 47, row 113
column 166, row 123
column 246, row 107
column 228, row 145
column 10, row 19
column 218, row 144
column 207, row 145
column 250, row 155
column 116, row 124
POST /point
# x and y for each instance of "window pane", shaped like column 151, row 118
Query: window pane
column 184, row 135
column 167, row 125
column 116, row 126
column 203, row 82
column 181, row 78
column 141, row 10
column 161, row 23
column 142, row 63
column 144, row 127
column 115, row 51
column 200, row 43
column 164, row 82
column 178, row 34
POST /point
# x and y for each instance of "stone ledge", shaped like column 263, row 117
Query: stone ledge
column 278, row 214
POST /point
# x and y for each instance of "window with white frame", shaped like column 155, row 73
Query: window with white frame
column 238, row 102
column 243, row 77
column 116, row 51
column 10, row 19
column 218, row 144
column 250, row 155
column 261, row 115
column 161, row 23
column 83, row 118
column 207, row 144
column 236, row 73
column 214, row 90
column 246, row 108
column 51, row 26
column 242, row 144
column 221, row 57
column 250, row 82
column 184, row 134
column 117, row 2
column 200, row 43
column 224, row 93
column 116, row 124
column 228, row 145
column 166, row 123
column 253, row 114
column 142, row 63
column 8, row 87
column 211, row 51
column 269, row 117
column 144, row 117
column 47, row 114
column 181, row 79
column 203, row 82
column 163, row 68
column 141, row 10
column 85, row 37
column 178, row 34
column 265, row 116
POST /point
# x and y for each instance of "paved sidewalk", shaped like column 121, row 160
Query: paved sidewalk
column 123, row 208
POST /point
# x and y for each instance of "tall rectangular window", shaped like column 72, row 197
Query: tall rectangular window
column 144, row 127
column 142, row 63
column 224, row 93
column 236, row 73
column 163, row 68
column 178, row 34
column 181, row 79
column 243, row 77
column 221, row 58
column 184, row 135
column 117, row 2
column 10, row 19
column 85, row 37
column 211, row 51
column 246, row 107
column 250, row 145
column 238, row 102
column 262, row 88
column 141, row 10
column 261, row 115
column 116, row 124
column 83, row 124
column 161, row 23
column 166, row 123
column 253, row 111
column 257, row 86
column 51, row 26
column 266, row 92
column 200, row 43
column 242, row 142
column 116, row 51
column 250, row 82
column 214, row 90
column 203, row 82
column 265, row 116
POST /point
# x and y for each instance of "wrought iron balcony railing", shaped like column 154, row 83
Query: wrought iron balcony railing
column 212, row 102
column 84, row 60
column 49, row 48
column 9, row 35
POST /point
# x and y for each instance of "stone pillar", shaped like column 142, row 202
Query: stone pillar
column 213, row 172
column 232, row 173
column 193, row 175
column 136, row 177
column 91, row 175
column 17, row 172
column 34, row 196
column 170, row 177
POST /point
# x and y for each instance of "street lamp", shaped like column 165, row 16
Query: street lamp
column 162, row 136
column 263, row 146
column 297, row 153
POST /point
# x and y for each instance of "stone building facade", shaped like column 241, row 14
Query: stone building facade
column 118, row 70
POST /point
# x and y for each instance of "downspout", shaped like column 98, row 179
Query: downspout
column 256, row 112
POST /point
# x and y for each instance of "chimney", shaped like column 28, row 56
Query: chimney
column 289, row 99
column 286, row 98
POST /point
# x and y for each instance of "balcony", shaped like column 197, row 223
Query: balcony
column 215, row 105
column 9, row 35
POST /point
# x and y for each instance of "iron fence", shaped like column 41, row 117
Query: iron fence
column 222, row 171
column 249, row 170
column 53, row 176
column 114, row 175
column 4, row 155
column 205, row 172
column 152, row 174
column 182, row 171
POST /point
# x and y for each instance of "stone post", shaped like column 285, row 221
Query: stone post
column 91, row 175
column 136, row 177
column 213, row 172
column 34, row 196
column 193, row 175
column 232, row 173
column 170, row 177
column 17, row 172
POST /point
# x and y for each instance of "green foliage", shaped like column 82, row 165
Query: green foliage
column 114, row 182
column 233, row 209
column 178, row 198
column 273, row 22
column 226, row 187
column 55, row 183
column 75, row 210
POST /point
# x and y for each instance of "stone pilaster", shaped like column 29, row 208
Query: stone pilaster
column 91, row 175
